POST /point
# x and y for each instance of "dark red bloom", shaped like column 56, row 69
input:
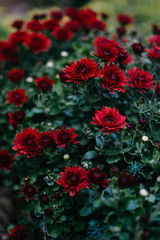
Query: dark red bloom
column 96, row 176
column 73, row 179
column 18, row 24
column 18, row 97
column 46, row 138
column 156, row 29
column 96, row 24
column 62, row 33
column 44, row 198
column 138, row 48
column 44, row 83
column 104, row 15
column 7, row 50
column 73, row 25
column 140, row 79
column 39, row 16
column 142, row 121
column 85, row 15
column 63, row 137
column 38, row 42
column 15, row 75
column 63, row 76
column 121, row 31
column 126, row 180
column 154, row 54
column 100, row 40
column 124, row 19
column 19, row 37
column 6, row 159
column 15, row 118
column 35, row 26
column 82, row 70
column 50, row 24
column 109, row 119
column 113, row 78
column 129, row 126
column 122, row 56
column 29, row 190
column 28, row 142
column 157, row 90
column 56, row 14
column 107, row 51
column 72, row 12
column 48, row 212
column 19, row 232
column 158, row 144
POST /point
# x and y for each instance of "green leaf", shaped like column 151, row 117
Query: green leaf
column 111, row 151
column 54, row 230
column 90, row 155
column 85, row 211
column 113, row 159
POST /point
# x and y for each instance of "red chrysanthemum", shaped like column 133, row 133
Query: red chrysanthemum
column 73, row 25
column 39, row 16
column 73, row 179
column 124, row 19
column 122, row 56
column 18, row 24
column 138, row 48
column 38, row 42
column 28, row 142
column 108, row 52
column 82, row 70
column 63, row 137
column 100, row 40
column 15, row 75
column 50, row 24
column 35, row 26
column 85, row 15
column 113, row 78
column 44, row 83
column 72, row 12
column 157, row 90
column 62, row 33
column 140, row 79
column 58, row 14
column 6, row 159
column 109, row 119
column 15, row 118
column 96, row 176
column 7, row 50
column 19, row 37
column 63, row 76
column 46, row 138
column 128, row 60
column 18, row 97
column 154, row 54
column 29, row 190
column 19, row 232
column 126, row 180
column 96, row 24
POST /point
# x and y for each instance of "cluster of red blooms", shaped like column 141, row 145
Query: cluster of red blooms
column 19, row 232
column 32, row 142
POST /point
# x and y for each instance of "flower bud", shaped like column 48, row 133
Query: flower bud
column 50, row 64
column 66, row 156
column 144, row 138
column 48, row 212
column 143, row 192
column 158, row 179
column 44, row 198
column 64, row 54
column 142, row 121
column 129, row 126
column 57, row 196
column 114, row 171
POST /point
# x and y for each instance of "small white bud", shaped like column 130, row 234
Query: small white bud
column 158, row 179
column 145, row 139
column 143, row 192
column 86, row 165
column 66, row 156
column 50, row 64
column 64, row 54
column 29, row 79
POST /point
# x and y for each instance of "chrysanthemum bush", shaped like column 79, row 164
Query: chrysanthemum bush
column 80, row 127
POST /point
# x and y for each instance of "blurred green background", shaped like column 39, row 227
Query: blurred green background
column 145, row 12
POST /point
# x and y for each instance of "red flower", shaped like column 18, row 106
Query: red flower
column 121, row 31
column 50, row 24
column 18, row 24
column 157, row 90
column 85, row 15
column 82, row 70
column 16, row 118
column 29, row 190
column 15, row 75
column 44, row 83
column 122, row 56
column 138, row 48
column 62, row 33
column 19, row 37
column 107, row 51
column 73, row 25
column 63, row 76
column 6, row 159
column 18, row 97
column 73, row 179
column 156, row 29
column 100, row 40
column 46, row 138
column 28, row 142
column 35, row 26
column 109, row 119
column 38, row 42
column 154, row 54
column 126, row 180
column 64, row 137
column 128, row 60
column 113, row 78
column 56, row 14
column 72, row 12
column 96, row 24
column 124, row 19
column 39, row 16
column 7, row 50
column 140, row 79
column 96, row 176
column 19, row 232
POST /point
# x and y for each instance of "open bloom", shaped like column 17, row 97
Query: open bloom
column 7, row 50
column 46, row 138
column 62, row 33
column 44, row 83
column 50, row 24
column 6, row 159
column 96, row 24
column 98, row 177
column 29, row 190
column 18, row 23
column 73, row 25
column 15, row 75
column 18, row 97
column 154, row 54
column 113, row 78
column 35, row 25
column 28, row 142
column 140, row 79
column 63, row 137
column 124, row 19
column 19, row 37
column 138, row 48
column 82, row 70
column 15, row 118
column 19, row 232
column 73, row 179
column 109, row 119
